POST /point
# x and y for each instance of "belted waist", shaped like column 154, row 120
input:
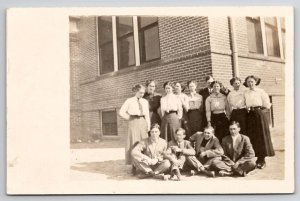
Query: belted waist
column 171, row 111
column 255, row 108
column 218, row 112
column 137, row 116
column 238, row 108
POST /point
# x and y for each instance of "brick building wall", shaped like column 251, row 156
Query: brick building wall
column 191, row 48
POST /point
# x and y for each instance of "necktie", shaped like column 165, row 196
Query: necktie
column 140, row 107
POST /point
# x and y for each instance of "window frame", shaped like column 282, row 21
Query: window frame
column 102, row 127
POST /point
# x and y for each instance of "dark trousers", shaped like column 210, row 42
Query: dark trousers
column 220, row 124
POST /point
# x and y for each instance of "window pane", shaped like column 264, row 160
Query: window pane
column 271, row 21
column 126, row 52
column 254, row 36
column 283, row 41
column 145, row 21
column 150, row 44
column 104, row 29
column 109, row 123
column 125, row 25
column 106, row 58
column 272, row 41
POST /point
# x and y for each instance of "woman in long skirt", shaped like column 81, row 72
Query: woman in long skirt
column 195, row 108
column 171, row 110
column 237, row 104
column 136, row 110
column 184, row 99
column 217, row 111
column 154, row 102
column 258, row 101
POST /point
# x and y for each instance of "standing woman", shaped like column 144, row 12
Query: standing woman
column 154, row 101
column 184, row 99
column 257, row 100
column 237, row 104
column 136, row 110
column 217, row 111
column 195, row 108
column 171, row 110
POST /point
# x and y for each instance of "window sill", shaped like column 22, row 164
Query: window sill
column 262, row 57
column 108, row 137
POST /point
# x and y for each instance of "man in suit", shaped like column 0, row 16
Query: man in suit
column 205, row 92
column 148, row 156
column 178, row 151
column 238, row 158
column 208, row 149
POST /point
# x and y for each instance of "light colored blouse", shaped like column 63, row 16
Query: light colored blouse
column 171, row 102
column 236, row 99
column 184, row 101
column 131, row 107
column 216, row 104
column 195, row 101
column 257, row 97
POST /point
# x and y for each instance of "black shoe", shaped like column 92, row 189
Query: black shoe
column 224, row 173
column 261, row 165
column 133, row 170
column 209, row 173
column 146, row 175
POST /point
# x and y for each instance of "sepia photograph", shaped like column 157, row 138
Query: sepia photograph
column 151, row 101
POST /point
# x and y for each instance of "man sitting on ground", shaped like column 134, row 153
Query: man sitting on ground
column 148, row 156
column 238, row 158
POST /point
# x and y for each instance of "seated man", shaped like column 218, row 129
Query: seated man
column 238, row 155
column 177, row 152
column 208, row 148
column 148, row 156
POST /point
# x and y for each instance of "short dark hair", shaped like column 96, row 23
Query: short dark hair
column 168, row 83
column 137, row 87
column 210, row 128
column 155, row 125
column 235, row 123
column 216, row 82
column 191, row 81
column 257, row 80
column 180, row 129
column 208, row 77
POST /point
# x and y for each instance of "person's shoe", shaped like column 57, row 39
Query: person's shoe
column 261, row 165
column 146, row 175
column 177, row 173
column 161, row 177
column 209, row 173
column 193, row 172
column 223, row 173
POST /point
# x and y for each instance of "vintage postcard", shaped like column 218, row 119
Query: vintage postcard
column 157, row 100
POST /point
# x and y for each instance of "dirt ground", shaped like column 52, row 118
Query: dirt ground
column 105, row 161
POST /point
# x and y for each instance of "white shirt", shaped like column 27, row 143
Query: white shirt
column 184, row 101
column 216, row 104
column 236, row 99
column 195, row 101
column 131, row 107
column 234, row 139
column 257, row 97
column 171, row 102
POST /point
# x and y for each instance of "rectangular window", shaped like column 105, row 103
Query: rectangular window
column 105, row 40
column 126, row 52
column 109, row 123
column 272, row 37
column 148, row 38
column 254, row 32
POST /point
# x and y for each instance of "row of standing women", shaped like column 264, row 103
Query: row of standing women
column 214, row 106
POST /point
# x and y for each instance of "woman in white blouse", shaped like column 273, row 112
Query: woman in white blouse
column 136, row 110
column 237, row 104
column 195, row 101
column 184, row 99
column 171, row 110
column 217, row 111
column 257, row 102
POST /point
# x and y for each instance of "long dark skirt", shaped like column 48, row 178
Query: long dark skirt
column 220, row 124
column 155, row 118
column 195, row 121
column 240, row 115
column 170, row 123
column 204, row 120
column 137, row 130
column 259, row 133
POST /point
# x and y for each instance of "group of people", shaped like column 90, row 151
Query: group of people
column 179, row 131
